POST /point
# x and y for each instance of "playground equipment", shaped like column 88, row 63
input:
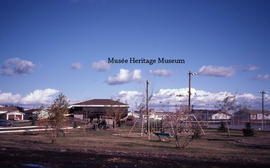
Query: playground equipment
column 173, row 125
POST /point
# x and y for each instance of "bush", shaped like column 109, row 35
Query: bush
column 196, row 133
column 75, row 124
column 248, row 131
column 222, row 127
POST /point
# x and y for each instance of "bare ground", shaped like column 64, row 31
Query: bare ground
column 114, row 149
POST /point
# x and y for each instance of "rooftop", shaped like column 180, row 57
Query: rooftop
column 8, row 109
column 100, row 103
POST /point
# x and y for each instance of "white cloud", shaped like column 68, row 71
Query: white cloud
column 17, row 66
column 133, row 98
column 39, row 97
column 160, row 72
column 250, row 68
column 35, row 97
column 165, row 98
column 124, row 76
column 262, row 77
column 217, row 71
column 101, row 65
column 76, row 65
column 9, row 98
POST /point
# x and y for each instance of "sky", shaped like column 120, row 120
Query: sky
column 53, row 46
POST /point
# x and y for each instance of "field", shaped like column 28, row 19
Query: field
column 113, row 148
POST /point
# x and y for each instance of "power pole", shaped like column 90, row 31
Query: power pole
column 262, row 92
column 189, row 95
column 189, row 91
column 147, row 112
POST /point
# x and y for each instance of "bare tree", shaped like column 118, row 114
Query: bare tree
column 176, row 124
column 225, row 106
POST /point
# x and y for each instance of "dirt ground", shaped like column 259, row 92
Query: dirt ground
column 113, row 148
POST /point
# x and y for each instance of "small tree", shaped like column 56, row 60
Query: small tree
column 248, row 131
column 222, row 127
column 179, row 130
column 57, row 110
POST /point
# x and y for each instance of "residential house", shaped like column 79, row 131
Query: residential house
column 11, row 113
column 36, row 114
column 135, row 114
column 221, row 116
column 256, row 116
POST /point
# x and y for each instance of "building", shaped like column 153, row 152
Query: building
column 11, row 113
column 256, row 116
column 36, row 114
column 220, row 116
column 99, row 108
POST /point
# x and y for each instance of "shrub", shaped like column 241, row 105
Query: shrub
column 75, row 124
column 222, row 127
column 196, row 133
column 248, row 131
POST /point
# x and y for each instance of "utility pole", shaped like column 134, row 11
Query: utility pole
column 262, row 92
column 189, row 96
column 189, row 91
column 147, row 112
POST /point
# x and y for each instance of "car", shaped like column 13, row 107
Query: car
column 5, row 123
column 16, row 119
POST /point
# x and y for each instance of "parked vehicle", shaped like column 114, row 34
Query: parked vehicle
column 5, row 123
column 16, row 119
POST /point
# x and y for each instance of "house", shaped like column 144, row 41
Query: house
column 11, row 113
column 36, row 114
column 158, row 114
column 135, row 114
column 99, row 108
column 256, row 116
column 221, row 116
column 154, row 114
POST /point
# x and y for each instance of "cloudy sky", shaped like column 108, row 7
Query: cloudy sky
column 48, row 47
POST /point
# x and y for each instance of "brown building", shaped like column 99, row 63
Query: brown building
column 99, row 108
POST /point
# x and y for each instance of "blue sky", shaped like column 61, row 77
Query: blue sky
column 41, row 39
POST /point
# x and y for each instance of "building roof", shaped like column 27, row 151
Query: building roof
column 258, row 111
column 9, row 109
column 31, row 110
column 219, row 113
column 100, row 103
